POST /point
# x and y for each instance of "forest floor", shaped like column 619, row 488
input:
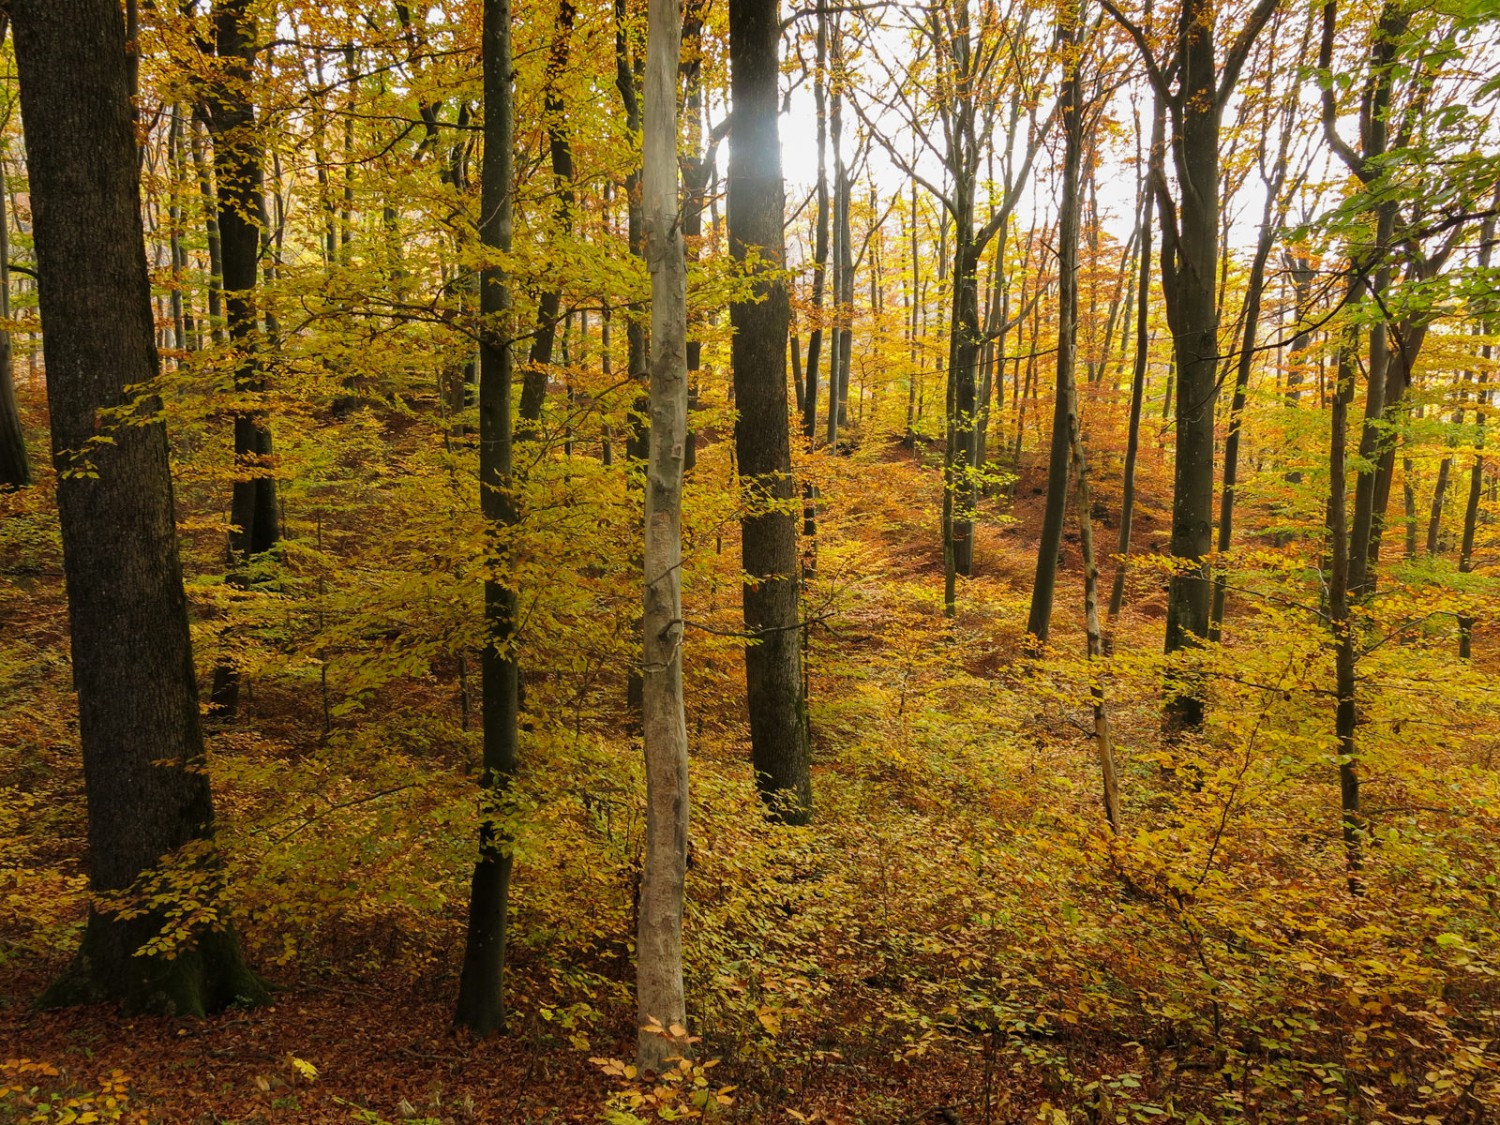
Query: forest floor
column 957, row 938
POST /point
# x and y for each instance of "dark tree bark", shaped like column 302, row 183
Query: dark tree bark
column 254, row 520
column 773, row 657
column 148, row 795
column 1346, row 714
column 1271, row 222
column 1189, row 273
column 697, row 169
column 560, row 149
column 820, row 236
column 1485, row 327
column 480, row 1000
column 1137, row 375
column 1065, row 405
column 637, row 438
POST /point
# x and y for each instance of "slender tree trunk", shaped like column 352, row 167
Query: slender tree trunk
column 820, row 236
column 1440, row 494
column 254, row 517
column 1346, row 716
column 627, row 81
column 698, row 168
column 1137, row 378
column 560, row 149
column 1064, row 417
column 144, row 779
column 1485, row 326
column 15, row 467
column 1270, row 223
column 838, row 339
column 913, row 349
column 773, row 660
column 480, row 1007
column 661, row 1008
column 211, row 234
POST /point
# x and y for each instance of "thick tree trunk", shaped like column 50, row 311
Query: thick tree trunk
column 148, row 794
column 1190, row 249
column 773, row 659
column 480, row 1006
column 661, row 1007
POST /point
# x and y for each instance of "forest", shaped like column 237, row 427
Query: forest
column 872, row 562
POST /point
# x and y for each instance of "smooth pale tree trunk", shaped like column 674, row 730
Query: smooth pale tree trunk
column 255, row 524
column 211, row 233
column 144, row 780
column 15, row 467
column 661, row 1008
column 480, row 1006
column 773, row 658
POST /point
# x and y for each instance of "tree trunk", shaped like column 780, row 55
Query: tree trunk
column 480, row 1006
column 1486, row 326
column 1064, row 416
column 820, row 237
column 773, row 662
column 1190, row 242
column 254, row 519
column 637, row 436
column 1346, row 716
column 15, row 468
column 147, row 791
column 661, row 1008
column 539, row 364
column 1137, row 377
column 1270, row 224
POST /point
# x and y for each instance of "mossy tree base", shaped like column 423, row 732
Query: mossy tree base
column 208, row 978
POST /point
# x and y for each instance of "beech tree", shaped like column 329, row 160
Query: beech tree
column 768, row 528
column 661, row 1008
column 480, row 999
column 150, row 810
column 1194, row 85
column 15, row 467
column 240, row 223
